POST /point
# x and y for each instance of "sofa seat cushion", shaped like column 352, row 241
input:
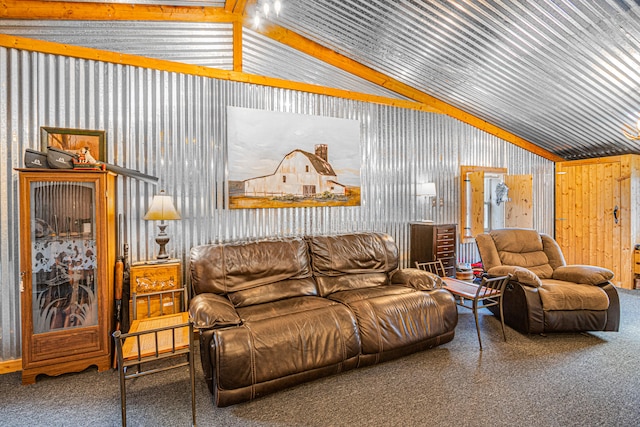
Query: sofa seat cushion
column 560, row 295
column 390, row 317
column 280, row 308
column 284, row 338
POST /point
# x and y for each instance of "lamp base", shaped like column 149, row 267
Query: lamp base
column 162, row 239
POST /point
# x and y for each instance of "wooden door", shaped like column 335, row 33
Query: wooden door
column 519, row 210
column 589, row 215
column 476, row 221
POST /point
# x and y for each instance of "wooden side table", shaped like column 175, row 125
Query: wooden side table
column 153, row 276
column 489, row 293
column 169, row 338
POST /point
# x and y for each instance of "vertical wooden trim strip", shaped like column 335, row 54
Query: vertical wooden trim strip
column 237, row 47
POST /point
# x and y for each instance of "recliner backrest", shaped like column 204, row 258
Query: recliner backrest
column 251, row 273
column 520, row 247
column 553, row 251
column 352, row 261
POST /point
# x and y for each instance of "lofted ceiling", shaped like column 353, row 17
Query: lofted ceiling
column 563, row 75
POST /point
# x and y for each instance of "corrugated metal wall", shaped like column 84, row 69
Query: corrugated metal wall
column 197, row 43
column 174, row 126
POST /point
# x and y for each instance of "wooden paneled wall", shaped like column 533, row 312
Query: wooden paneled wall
column 597, row 213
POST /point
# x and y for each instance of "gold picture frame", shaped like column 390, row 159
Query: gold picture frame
column 74, row 140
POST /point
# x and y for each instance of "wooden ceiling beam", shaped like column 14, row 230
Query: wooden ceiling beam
column 236, row 6
column 229, row 5
column 64, row 10
column 236, row 11
column 23, row 43
column 331, row 57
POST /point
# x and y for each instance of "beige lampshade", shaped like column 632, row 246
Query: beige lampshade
column 162, row 208
column 426, row 189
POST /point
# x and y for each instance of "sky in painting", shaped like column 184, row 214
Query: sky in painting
column 258, row 140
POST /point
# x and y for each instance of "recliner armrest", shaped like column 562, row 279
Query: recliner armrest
column 520, row 274
column 584, row 274
column 416, row 279
column 210, row 311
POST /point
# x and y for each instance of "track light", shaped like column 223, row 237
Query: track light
column 633, row 134
column 263, row 11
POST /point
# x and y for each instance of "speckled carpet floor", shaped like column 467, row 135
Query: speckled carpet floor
column 590, row 379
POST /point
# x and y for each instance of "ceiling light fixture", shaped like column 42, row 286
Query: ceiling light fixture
column 263, row 10
column 635, row 133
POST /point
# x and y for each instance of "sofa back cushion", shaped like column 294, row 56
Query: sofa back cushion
column 253, row 272
column 522, row 248
column 352, row 261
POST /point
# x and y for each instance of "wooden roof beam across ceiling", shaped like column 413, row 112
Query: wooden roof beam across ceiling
column 235, row 6
column 35, row 9
column 23, row 43
column 61, row 10
column 65, row 10
column 329, row 56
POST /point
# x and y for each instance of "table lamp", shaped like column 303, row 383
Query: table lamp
column 426, row 189
column 162, row 210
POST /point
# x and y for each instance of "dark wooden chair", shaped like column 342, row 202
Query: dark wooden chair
column 436, row 267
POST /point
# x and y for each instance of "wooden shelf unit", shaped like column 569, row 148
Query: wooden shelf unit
column 67, row 256
column 434, row 241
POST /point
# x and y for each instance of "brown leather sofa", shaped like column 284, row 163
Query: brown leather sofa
column 276, row 313
column 546, row 294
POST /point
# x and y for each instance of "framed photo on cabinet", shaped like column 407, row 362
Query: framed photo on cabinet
column 75, row 141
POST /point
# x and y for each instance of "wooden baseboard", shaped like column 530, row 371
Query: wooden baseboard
column 10, row 366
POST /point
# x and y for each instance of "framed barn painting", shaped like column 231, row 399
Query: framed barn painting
column 278, row 160
column 75, row 141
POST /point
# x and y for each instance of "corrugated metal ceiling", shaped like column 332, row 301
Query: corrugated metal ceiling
column 561, row 74
column 264, row 56
column 212, row 3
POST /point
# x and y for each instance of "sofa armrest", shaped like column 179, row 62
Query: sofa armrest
column 520, row 274
column 210, row 311
column 585, row 274
column 416, row 279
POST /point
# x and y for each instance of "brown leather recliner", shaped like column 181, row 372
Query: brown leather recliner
column 268, row 320
column 546, row 294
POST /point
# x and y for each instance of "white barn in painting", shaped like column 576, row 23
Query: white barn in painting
column 300, row 173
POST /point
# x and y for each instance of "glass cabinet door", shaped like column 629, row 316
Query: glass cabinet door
column 63, row 255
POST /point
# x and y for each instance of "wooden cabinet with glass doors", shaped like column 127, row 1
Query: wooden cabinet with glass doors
column 67, row 250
